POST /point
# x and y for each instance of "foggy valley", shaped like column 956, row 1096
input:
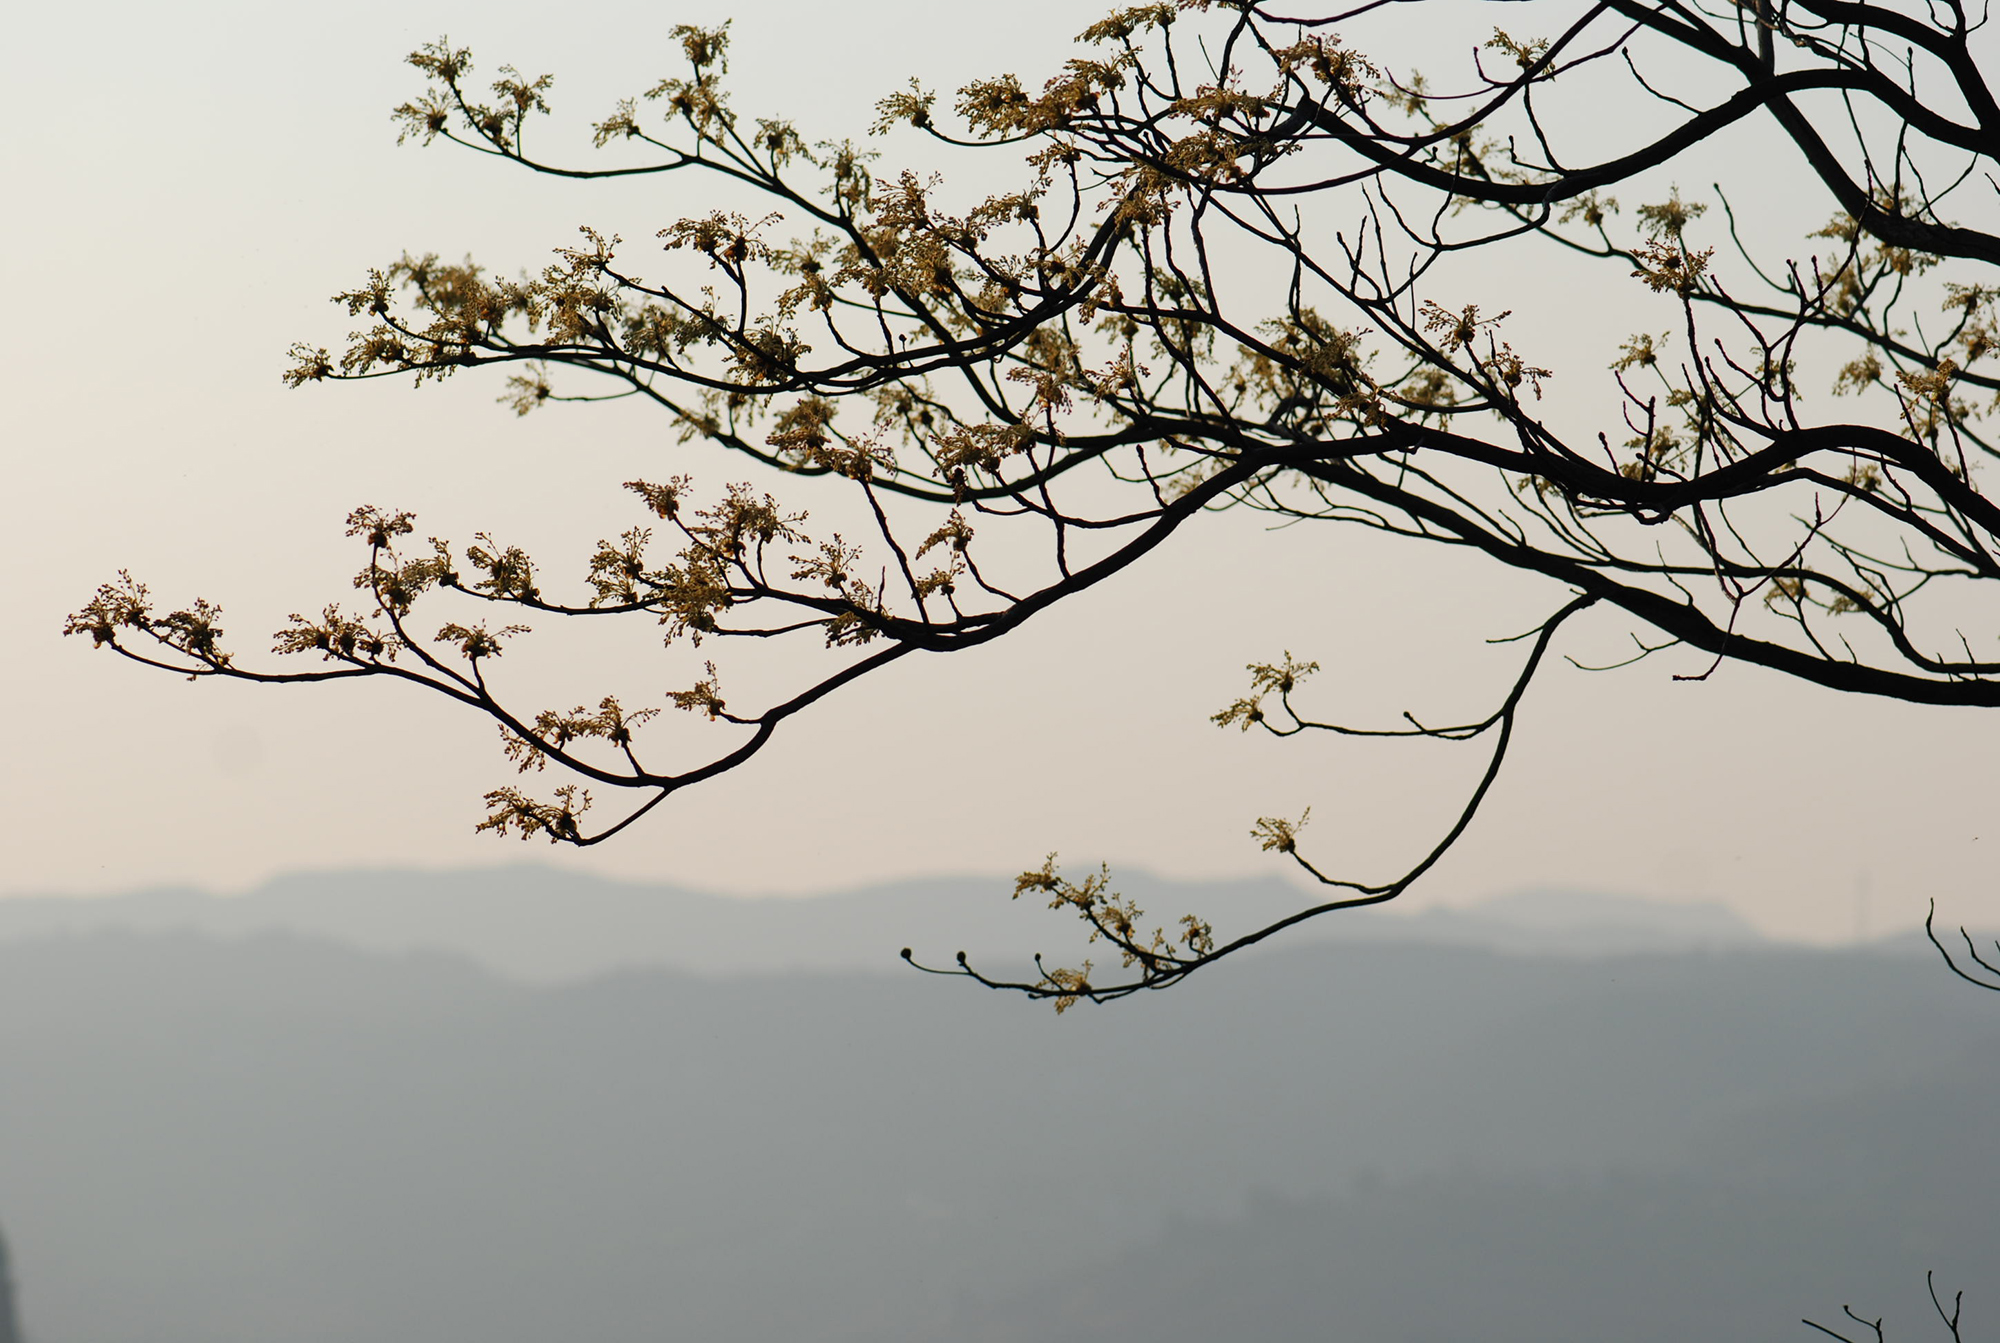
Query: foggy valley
column 310, row 1114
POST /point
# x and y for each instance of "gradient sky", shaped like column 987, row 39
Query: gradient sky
column 186, row 186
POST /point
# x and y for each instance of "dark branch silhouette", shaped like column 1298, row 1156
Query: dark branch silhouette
column 1975, row 968
column 1949, row 1318
column 1025, row 388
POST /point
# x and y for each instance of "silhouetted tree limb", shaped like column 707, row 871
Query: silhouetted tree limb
column 1985, row 973
column 1021, row 390
column 1949, row 1318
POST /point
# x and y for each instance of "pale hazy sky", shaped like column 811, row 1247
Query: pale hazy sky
column 186, row 184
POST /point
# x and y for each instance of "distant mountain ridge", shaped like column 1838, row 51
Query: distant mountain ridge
column 542, row 925
column 269, row 1137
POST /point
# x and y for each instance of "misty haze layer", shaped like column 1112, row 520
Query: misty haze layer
column 547, row 926
column 271, row 1137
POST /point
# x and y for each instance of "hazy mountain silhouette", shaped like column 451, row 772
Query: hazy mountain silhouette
column 545, row 926
column 274, row 1138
